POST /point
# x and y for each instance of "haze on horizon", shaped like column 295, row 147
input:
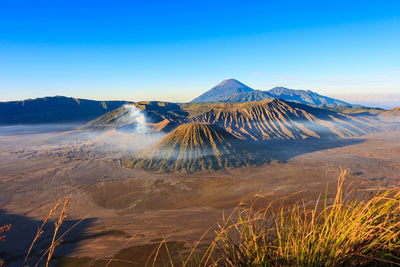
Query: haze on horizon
column 174, row 51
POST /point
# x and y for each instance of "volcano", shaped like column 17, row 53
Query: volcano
column 272, row 119
column 233, row 91
column 223, row 90
column 193, row 147
column 277, row 119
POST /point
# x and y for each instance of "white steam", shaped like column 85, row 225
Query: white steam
column 136, row 116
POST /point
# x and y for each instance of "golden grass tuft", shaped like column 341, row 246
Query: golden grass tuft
column 350, row 231
column 57, row 225
column 55, row 241
column 4, row 228
column 40, row 231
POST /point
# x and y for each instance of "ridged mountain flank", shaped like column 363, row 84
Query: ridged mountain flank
column 193, row 147
column 256, row 95
column 273, row 119
column 305, row 97
column 282, row 120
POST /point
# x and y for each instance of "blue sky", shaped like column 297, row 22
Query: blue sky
column 175, row 50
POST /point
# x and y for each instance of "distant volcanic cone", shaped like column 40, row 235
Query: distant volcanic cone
column 193, row 147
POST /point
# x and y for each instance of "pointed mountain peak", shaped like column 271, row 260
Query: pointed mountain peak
column 231, row 82
column 222, row 91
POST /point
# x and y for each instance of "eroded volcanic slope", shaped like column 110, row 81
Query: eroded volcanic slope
column 279, row 119
column 274, row 119
column 214, row 136
column 193, row 147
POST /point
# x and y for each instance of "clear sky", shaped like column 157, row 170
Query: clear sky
column 176, row 50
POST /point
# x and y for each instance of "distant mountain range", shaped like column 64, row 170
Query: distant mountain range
column 232, row 90
column 60, row 109
column 54, row 110
column 229, row 126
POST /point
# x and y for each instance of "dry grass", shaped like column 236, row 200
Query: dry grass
column 57, row 225
column 40, row 231
column 3, row 228
column 350, row 231
column 55, row 241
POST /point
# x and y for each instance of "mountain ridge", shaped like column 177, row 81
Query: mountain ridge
column 56, row 109
column 219, row 136
column 273, row 119
column 230, row 92
column 280, row 119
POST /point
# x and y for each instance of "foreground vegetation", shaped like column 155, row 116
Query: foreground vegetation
column 346, row 232
column 45, row 258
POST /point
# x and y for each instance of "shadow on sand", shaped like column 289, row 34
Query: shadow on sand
column 282, row 151
column 23, row 231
